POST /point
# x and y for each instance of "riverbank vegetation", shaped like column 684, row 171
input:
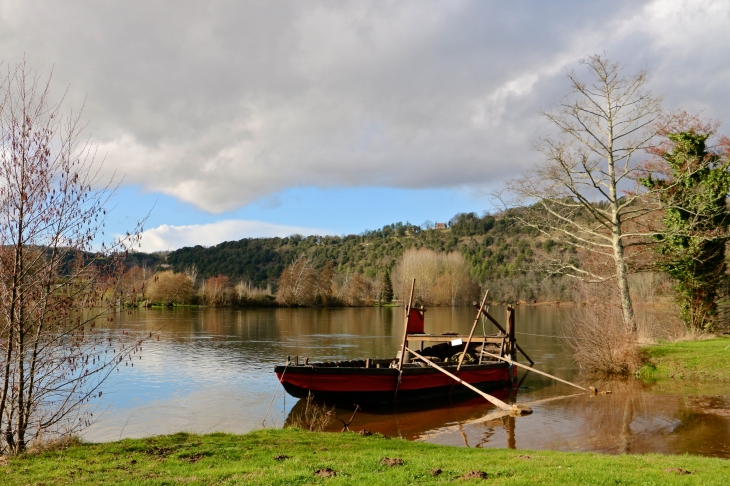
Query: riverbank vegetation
column 693, row 180
column 497, row 254
column 699, row 361
column 292, row 456
column 493, row 253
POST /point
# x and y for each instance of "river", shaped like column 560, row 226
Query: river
column 211, row 370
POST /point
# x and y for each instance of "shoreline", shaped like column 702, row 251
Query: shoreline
column 395, row 304
column 702, row 361
column 293, row 456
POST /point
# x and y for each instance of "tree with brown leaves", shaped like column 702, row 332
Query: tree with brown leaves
column 54, row 285
column 170, row 288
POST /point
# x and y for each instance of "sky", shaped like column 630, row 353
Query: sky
column 226, row 120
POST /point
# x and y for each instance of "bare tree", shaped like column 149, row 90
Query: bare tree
column 131, row 286
column 455, row 280
column 217, row 291
column 54, row 287
column 355, row 290
column 422, row 264
column 583, row 195
column 192, row 273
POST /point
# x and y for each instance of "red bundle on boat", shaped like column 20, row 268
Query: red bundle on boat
column 415, row 321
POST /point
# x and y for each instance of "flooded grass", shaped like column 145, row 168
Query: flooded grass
column 704, row 361
column 293, row 456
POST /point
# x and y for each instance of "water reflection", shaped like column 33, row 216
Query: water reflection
column 212, row 369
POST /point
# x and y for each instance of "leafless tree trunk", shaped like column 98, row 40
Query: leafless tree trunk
column 192, row 273
column 583, row 194
column 53, row 286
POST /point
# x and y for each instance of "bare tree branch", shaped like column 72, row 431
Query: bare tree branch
column 54, row 285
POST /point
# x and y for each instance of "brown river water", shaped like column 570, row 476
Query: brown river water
column 212, row 370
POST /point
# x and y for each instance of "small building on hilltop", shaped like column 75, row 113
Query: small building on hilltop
column 439, row 226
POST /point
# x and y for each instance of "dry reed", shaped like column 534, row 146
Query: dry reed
column 59, row 443
column 315, row 417
column 600, row 340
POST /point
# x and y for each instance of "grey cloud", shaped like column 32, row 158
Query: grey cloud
column 225, row 103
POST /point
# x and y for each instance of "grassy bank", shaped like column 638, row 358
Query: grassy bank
column 703, row 361
column 292, row 457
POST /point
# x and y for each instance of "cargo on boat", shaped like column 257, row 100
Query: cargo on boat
column 409, row 378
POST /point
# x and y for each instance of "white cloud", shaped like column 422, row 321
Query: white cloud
column 220, row 104
column 167, row 237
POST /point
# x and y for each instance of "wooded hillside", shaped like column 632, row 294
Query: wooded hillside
column 498, row 252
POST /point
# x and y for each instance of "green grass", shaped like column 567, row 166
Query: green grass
column 250, row 459
column 703, row 361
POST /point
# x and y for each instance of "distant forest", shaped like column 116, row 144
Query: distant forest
column 500, row 254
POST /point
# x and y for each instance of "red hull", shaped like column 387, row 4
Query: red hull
column 369, row 385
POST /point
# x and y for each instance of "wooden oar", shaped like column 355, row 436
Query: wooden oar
column 493, row 400
column 491, row 416
column 533, row 369
column 494, row 415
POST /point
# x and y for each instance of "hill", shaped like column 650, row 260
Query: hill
column 499, row 253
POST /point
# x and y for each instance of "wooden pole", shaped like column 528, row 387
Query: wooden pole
column 405, row 340
column 493, row 400
column 405, row 328
column 471, row 334
column 494, row 321
column 511, row 332
column 536, row 371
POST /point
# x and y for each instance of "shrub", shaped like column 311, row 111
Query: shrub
column 315, row 417
column 596, row 333
column 170, row 288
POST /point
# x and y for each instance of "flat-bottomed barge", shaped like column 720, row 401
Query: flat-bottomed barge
column 407, row 378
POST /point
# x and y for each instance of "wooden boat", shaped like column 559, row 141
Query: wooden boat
column 406, row 378
column 355, row 382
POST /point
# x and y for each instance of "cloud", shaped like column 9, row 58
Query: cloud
column 167, row 237
column 224, row 103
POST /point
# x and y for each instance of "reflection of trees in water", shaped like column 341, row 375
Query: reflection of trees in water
column 634, row 420
column 704, row 425
column 318, row 333
column 506, row 423
column 606, row 420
